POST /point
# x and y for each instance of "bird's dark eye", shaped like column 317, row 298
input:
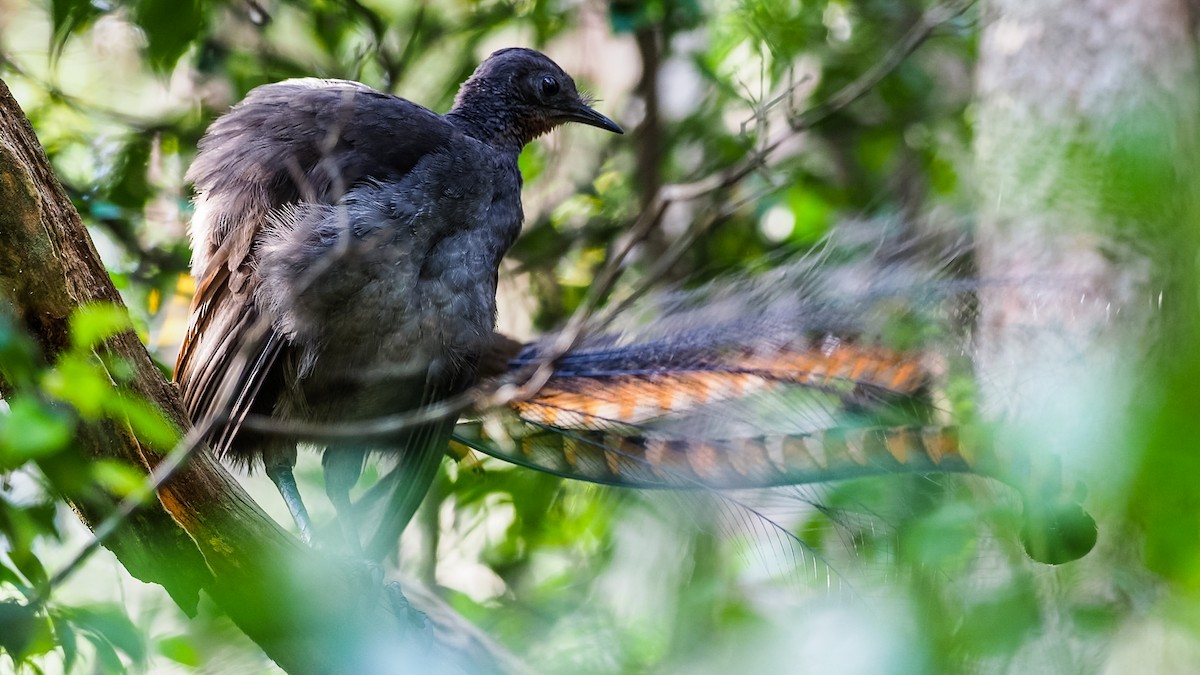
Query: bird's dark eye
column 548, row 86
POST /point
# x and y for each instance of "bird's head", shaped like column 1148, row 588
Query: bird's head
column 518, row 94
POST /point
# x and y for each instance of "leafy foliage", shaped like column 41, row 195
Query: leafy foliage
column 43, row 410
column 577, row 577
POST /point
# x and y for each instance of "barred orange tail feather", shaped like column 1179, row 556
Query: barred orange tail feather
column 642, row 461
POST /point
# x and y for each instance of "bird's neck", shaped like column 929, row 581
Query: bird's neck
column 494, row 127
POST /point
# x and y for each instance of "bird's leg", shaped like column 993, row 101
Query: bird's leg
column 285, row 482
column 343, row 467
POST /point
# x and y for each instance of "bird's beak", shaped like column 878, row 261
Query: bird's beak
column 585, row 115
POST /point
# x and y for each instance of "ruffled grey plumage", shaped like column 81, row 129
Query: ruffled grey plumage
column 346, row 249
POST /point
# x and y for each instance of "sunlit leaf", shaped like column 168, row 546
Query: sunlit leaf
column 79, row 380
column 180, row 649
column 95, row 323
column 30, row 430
column 116, row 477
column 813, row 214
column 148, row 422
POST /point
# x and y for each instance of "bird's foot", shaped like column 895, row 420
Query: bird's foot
column 399, row 604
column 371, row 585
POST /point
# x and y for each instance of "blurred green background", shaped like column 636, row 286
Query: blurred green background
column 898, row 574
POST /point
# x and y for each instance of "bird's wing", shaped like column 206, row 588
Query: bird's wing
column 299, row 141
column 229, row 353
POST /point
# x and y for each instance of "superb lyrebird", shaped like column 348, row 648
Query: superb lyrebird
column 346, row 247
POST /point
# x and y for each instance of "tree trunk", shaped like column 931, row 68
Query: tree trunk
column 1086, row 119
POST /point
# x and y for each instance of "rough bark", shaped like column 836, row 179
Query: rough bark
column 1086, row 114
column 309, row 612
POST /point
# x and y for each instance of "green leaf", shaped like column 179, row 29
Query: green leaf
column 9, row 576
column 118, row 478
column 31, row 567
column 69, row 16
column 42, row 641
column 813, row 215
column 110, row 623
column 17, row 626
column 999, row 624
column 119, row 369
column 532, row 162
column 180, row 650
column 93, row 324
column 946, row 539
column 106, row 655
column 148, row 423
column 627, row 17
column 31, row 430
column 79, row 380
column 22, row 526
column 18, row 354
column 67, row 639
column 170, row 28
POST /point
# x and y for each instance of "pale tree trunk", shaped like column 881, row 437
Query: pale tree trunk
column 1086, row 115
column 1085, row 146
